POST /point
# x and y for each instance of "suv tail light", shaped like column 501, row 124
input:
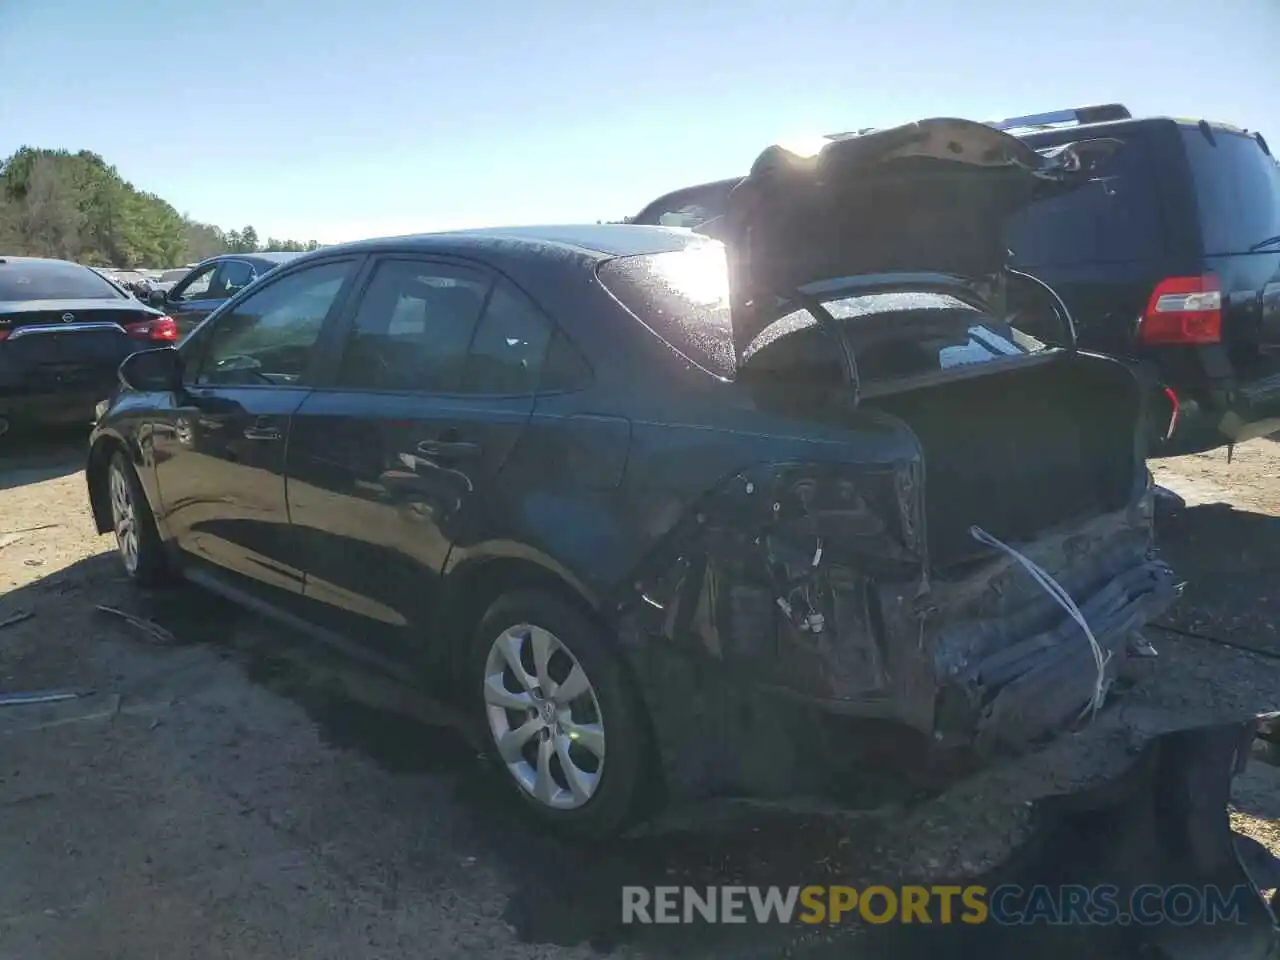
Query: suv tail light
column 1183, row 310
column 1174, row 408
column 161, row 329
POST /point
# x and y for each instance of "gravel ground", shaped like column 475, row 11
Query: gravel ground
column 232, row 791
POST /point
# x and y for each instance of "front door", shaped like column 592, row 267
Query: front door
column 205, row 289
column 392, row 461
column 220, row 456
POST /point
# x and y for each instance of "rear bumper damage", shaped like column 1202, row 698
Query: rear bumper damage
column 773, row 659
column 948, row 695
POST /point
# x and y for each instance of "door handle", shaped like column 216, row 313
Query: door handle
column 261, row 431
column 449, row 449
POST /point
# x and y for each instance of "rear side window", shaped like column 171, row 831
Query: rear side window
column 683, row 297
column 1114, row 217
column 509, row 346
column 1237, row 190
column 51, row 280
column 413, row 327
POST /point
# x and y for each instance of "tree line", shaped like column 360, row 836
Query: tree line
column 76, row 206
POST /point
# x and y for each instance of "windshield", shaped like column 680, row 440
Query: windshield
column 1237, row 190
column 52, row 280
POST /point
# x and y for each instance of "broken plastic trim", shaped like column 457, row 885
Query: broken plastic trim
column 1063, row 599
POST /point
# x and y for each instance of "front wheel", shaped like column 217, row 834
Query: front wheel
column 564, row 725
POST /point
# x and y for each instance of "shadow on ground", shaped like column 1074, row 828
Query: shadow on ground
column 32, row 456
column 567, row 895
column 1230, row 559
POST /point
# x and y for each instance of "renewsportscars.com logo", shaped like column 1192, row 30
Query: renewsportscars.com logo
column 1066, row 905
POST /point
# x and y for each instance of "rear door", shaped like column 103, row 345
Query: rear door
column 1237, row 192
column 220, row 450
column 394, row 460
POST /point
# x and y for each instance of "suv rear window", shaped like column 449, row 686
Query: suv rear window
column 1237, row 189
column 1114, row 217
column 51, row 280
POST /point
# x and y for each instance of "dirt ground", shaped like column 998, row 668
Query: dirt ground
column 232, row 791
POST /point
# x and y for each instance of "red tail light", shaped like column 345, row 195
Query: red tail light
column 161, row 329
column 4, row 334
column 1183, row 310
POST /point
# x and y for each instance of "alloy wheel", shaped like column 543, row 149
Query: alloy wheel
column 124, row 519
column 544, row 717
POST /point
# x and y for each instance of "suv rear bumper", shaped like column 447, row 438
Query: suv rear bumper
column 1232, row 414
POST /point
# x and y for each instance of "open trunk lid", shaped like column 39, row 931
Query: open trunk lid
column 921, row 206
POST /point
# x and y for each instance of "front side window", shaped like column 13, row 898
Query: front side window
column 413, row 328
column 196, row 287
column 230, row 278
column 267, row 339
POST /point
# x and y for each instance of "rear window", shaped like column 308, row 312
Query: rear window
column 1114, row 217
column 47, row 280
column 896, row 336
column 683, row 297
column 1237, row 190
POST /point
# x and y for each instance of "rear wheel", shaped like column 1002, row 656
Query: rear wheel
column 134, row 525
column 563, row 723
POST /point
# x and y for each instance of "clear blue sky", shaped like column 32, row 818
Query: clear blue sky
column 325, row 120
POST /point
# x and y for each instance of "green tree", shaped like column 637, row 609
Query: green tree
column 78, row 206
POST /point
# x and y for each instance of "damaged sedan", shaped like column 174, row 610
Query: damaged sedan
column 667, row 510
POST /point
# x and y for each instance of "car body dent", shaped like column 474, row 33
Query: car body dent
column 791, row 593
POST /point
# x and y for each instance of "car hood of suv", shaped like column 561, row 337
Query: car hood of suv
column 929, row 197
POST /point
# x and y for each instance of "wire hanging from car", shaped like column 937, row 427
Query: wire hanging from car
column 1063, row 599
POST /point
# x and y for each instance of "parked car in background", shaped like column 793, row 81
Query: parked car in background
column 659, row 516
column 64, row 329
column 211, row 283
column 1169, row 258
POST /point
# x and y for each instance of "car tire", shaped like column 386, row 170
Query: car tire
column 134, row 525
column 546, row 727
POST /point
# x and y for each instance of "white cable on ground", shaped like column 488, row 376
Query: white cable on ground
column 1055, row 590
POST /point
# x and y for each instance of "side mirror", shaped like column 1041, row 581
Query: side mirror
column 151, row 371
column 156, row 298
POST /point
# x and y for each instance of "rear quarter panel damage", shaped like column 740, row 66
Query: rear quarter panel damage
column 788, row 613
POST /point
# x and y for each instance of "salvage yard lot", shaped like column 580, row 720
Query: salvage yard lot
column 232, row 791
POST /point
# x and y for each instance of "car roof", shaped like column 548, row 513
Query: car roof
column 31, row 261
column 1074, row 132
column 272, row 257
column 600, row 241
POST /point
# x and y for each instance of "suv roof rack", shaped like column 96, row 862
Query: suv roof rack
column 1075, row 116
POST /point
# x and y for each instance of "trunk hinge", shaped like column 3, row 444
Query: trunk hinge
column 848, row 362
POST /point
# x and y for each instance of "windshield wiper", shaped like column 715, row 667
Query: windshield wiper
column 1270, row 241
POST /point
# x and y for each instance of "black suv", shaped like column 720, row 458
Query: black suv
column 1169, row 256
